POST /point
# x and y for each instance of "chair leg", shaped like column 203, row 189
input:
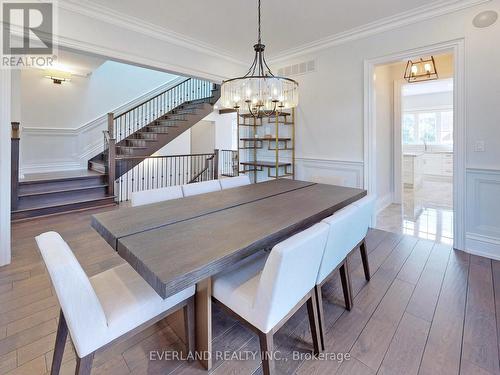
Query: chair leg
column 312, row 309
column 266, row 352
column 62, row 334
column 84, row 365
column 189, row 326
column 346, row 284
column 364, row 259
column 321, row 316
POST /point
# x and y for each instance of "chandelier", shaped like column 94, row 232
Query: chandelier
column 259, row 92
column 421, row 70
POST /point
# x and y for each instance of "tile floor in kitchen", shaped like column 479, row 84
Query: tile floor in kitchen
column 425, row 213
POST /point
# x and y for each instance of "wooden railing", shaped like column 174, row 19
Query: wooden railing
column 156, row 172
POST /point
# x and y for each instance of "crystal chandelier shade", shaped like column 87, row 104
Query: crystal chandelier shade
column 259, row 92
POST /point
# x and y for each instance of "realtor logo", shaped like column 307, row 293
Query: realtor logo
column 28, row 28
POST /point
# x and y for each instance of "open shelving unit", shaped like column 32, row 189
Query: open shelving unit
column 267, row 143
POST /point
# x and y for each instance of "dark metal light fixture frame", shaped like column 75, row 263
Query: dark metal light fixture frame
column 416, row 72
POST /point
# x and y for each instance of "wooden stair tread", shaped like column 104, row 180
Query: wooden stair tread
column 59, row 176
column 59, row 190
column 60, row 202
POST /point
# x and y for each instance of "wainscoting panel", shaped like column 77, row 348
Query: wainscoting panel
column 483, row 212
column 349, row 172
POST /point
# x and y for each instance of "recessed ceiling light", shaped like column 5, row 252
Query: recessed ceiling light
column 485, row 19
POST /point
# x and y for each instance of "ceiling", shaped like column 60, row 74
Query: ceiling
column 231, row 25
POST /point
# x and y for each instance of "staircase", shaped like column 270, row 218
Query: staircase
column 131, row 137
column 147, row 128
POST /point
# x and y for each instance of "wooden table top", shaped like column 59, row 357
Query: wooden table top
column 114, row 225
column 175, row 256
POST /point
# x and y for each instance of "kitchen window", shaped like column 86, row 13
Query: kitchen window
column 428, row 127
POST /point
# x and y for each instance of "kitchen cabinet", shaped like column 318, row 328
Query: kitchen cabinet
column 412, row 170
column 438, row 164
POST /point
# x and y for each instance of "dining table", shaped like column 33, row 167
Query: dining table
column 183, row 242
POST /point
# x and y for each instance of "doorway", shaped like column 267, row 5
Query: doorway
column 415, row 155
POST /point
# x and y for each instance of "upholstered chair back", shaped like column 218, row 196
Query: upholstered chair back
column 201, row 187
column 289, row 274
column 347, row 228
column 232, row 182
column 366, row 207
column 140, row 198
column 81, row 307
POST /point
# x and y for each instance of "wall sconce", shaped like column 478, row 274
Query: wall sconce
column 57, row 76
column 422, row 70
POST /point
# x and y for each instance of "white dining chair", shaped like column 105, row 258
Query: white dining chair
column 266, row 289
column 366, row 211
column 347, row 232
column 200, row 187
column 140, row 198
column 100, row 309
column 232, row 182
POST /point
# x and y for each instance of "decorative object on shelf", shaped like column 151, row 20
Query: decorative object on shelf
column 421, row 70
column 259, row 92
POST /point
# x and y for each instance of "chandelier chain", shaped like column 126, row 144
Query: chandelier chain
column 259, row 39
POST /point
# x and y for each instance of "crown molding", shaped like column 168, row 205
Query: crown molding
column 419, row 14
column 113, row 17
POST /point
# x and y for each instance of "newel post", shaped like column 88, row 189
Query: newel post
column 14, row 157
column 216, row 164
column 111, row 154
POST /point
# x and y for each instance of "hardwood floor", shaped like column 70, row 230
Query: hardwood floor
column 427, row 310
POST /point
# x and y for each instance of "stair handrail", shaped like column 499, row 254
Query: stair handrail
column 215, row 158
column 145, row 113
column 152, row 98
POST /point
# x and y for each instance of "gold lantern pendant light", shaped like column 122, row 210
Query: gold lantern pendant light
column 259, row 92
column 421, row 70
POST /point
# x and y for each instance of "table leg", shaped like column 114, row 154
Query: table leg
column 203, row 307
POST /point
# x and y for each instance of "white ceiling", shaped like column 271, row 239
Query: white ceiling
column 232, row 24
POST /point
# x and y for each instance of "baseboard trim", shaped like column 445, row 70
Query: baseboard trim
column 488, row 247
column 383, row 202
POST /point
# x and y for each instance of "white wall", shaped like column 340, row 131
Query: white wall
column 179, row 146
column 203, row 137
column 223, row 129
column 331, row 108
